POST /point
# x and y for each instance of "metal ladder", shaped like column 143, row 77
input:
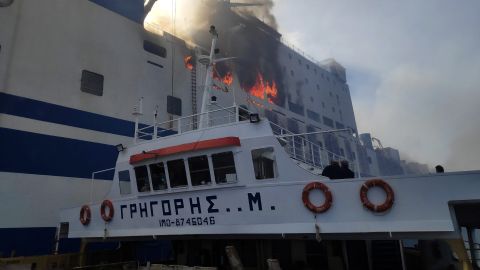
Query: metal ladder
column 193, row 78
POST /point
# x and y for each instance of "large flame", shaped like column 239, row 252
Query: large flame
column 188, row 60
column 264, row 89
column 227, row 79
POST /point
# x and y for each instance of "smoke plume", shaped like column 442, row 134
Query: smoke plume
column 245, row 32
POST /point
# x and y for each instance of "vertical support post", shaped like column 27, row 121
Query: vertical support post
column 311, row 153
column 237, row 113
column 57, row 240
column 293, row 148
column 155, row 132
column 471, row 246
column 137, row 112
column 402, row 255
column 303, row 149
column 179, row 125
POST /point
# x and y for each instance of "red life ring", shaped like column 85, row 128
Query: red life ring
column 386, row 187
column 85, row 215
column 103, row 210
column 326, row 192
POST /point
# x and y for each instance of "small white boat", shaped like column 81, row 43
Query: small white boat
column 237, row 179
column 219, row 176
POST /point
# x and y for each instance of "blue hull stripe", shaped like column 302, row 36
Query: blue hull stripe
column 131, row 9
column 39, row 110
column 32, row 153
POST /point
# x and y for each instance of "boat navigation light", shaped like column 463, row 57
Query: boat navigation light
column 254, row 118
column 120, row 147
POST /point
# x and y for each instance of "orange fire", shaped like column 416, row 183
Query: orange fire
column 227, row 79
column 188, row 60
column 264, row 89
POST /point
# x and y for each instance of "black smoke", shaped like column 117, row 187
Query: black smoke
column 254, row 43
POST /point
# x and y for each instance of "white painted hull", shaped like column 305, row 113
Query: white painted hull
column 422, row 208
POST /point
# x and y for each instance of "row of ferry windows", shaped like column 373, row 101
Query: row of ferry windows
column 172, row 174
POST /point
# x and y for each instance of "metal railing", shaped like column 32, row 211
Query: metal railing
column 300, row 148
column 221, row 116
column 297, row 146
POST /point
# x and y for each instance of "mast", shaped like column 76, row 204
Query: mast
column 208, row 80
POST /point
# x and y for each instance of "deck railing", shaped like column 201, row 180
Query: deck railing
column 217, row 117
column 297, row 146
column 300, row 148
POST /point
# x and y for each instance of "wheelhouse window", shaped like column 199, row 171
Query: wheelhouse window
column 124, row 182
column 159, row 178
column 176, row 173
column 143, row 183
column 224, row 167
column 264, row 163
column 199, row 170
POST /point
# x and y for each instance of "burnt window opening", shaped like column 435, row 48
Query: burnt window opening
column 92, row 83
column 143, row 183
column 176, row 173
column 224, row 168
column 124, row 182
column 159, row 178
column 199, row 170
column 154, row 49
column 264, row 163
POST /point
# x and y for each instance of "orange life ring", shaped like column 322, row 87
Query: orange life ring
column 373, row 207
column 85, row 215
column 326, row 192
column 103, row 210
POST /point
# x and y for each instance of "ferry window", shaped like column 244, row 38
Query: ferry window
column 143, row 184
column 159, row 178
column 199, row 170
column 154, row 48
column 264, row 163
column 176, row 173
column 124, row 182
column 91, row 83
column 224, row 167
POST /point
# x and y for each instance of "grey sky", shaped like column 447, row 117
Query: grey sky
column 413, row 69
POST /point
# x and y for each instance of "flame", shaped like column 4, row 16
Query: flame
column 227, row 79
column 264, row 89
column 188, row 60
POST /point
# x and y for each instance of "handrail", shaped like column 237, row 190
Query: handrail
column 93, row 177
column 297, row 146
